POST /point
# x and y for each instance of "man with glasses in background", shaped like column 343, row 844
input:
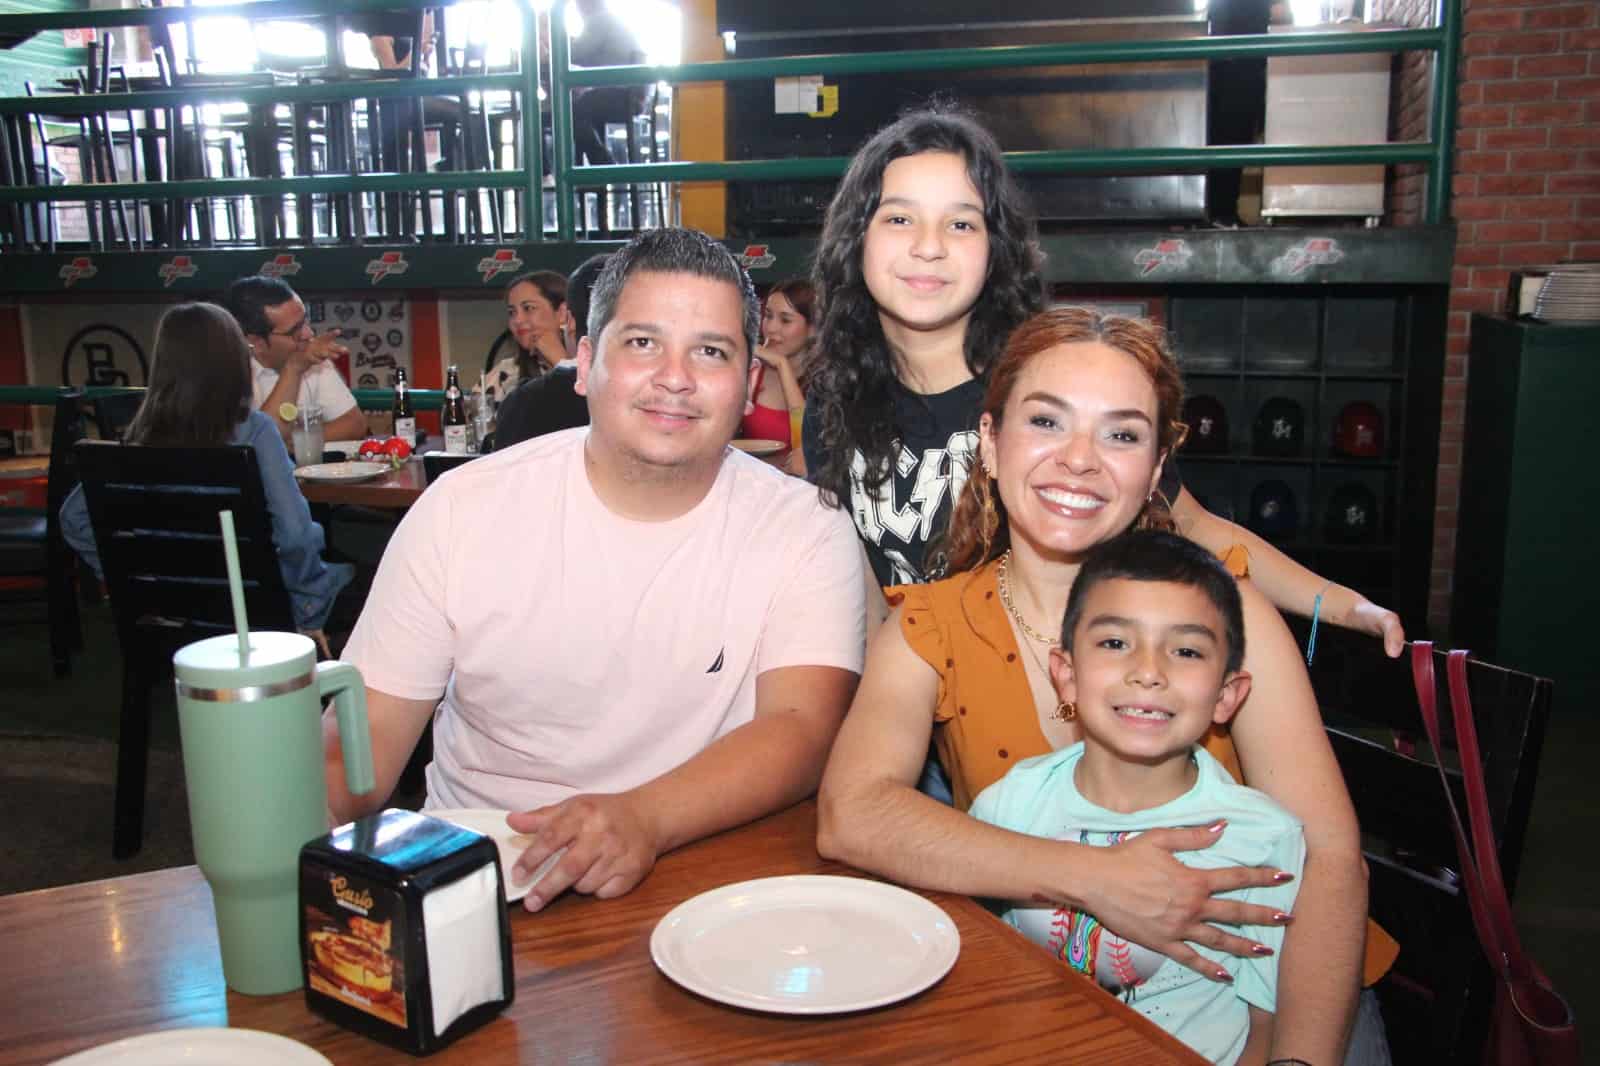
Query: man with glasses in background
column 292, row 364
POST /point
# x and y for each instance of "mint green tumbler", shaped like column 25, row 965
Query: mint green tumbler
column 252, row 760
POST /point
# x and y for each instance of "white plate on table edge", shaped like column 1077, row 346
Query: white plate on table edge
column 350, row 471
column 758, row 446
column 201, row 1047
column 894, row 918
column 510, row 843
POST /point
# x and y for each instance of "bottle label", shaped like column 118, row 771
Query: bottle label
column 455, row 439
column 406, row 430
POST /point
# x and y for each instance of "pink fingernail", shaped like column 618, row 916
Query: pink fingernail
column 1282, row 918
column 1260, row 950
column 1281, row 876
column 1217, row 826
column 1224, row 975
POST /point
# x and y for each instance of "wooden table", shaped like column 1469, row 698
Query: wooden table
column 21, row 466
column 90, row 963
column 395, row 491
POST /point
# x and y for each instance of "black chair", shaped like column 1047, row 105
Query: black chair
column 1437, row 998
column 436, row 463
column 154, row 513
column 31, row 544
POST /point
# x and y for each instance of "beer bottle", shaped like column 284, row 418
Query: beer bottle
column 405, row 420
column 454, row 418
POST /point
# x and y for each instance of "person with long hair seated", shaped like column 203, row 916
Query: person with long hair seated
column 788, row 317
column 199, row 397
column 536, row 317
column 1079, row 416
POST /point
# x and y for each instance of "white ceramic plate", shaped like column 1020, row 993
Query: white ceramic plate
column 200, row 1047
column 342, row 471
column 806, row 944
column 759, row 447
column 511, row 844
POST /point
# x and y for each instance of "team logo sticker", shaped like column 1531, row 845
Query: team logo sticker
column 756, row 257
column 503, row 261
column 1311, row 252
column 1171, row 253
column 80, row 268
column 281, row 266
column 103, row 354
column 387, row 264
column 181, row 266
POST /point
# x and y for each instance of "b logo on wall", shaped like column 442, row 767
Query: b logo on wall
column 377, row 332
column 103, row 354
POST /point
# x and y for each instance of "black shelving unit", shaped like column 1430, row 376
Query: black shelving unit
column 1323, row 347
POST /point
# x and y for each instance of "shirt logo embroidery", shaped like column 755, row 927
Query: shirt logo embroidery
column 716, row 667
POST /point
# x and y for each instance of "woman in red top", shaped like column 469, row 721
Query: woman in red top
column 787, row 320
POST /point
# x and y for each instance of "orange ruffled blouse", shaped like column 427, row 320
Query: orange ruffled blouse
column 985, row 721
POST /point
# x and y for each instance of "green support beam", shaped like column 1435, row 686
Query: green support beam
column 1418, row 255
column 1002, row 57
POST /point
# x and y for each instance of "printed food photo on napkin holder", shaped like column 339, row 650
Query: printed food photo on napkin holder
column 404, row 934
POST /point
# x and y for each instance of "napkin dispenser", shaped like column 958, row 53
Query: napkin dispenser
column 404, row 933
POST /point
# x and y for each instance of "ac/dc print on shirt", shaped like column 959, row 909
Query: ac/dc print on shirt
column 937, row 441
column 911, row 508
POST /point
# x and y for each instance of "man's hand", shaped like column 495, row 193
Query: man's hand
column 321, row 348
column 1151, row 898
column 611, row 845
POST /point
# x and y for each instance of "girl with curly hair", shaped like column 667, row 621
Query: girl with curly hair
column 929, row 258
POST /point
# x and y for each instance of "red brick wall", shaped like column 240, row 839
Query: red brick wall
column 1526, row 187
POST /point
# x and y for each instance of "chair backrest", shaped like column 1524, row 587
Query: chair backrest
column 112, row 414
column 1441, row 984
column 436, row 463
column 154, row 513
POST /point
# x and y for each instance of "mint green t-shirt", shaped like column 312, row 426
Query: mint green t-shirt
column 1040, row 797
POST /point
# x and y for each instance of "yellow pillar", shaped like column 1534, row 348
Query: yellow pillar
column 698, row 122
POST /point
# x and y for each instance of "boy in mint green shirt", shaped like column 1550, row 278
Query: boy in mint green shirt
column 1151, row 648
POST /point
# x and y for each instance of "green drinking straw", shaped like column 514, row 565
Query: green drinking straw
column 230, row 550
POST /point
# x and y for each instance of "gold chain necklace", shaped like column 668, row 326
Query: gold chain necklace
column 1011, row 608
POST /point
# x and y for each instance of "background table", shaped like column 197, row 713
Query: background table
column 89, row 963
column 394, row 491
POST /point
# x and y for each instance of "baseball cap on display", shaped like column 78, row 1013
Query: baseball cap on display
column 1280, row 427
column 1207, row 420
column 1352, row 514
column 1358, row 432
column 1273, row 511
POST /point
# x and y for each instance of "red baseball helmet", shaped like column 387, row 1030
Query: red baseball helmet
column 1358, row 432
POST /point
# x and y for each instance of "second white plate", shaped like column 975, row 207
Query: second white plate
column 806, row 944
column 756, row 446
column 200, row 1047
column 511, row 844
column 342, row 471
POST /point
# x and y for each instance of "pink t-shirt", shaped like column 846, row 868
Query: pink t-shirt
column 578, row 651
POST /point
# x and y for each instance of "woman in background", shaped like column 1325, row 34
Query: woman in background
column 787, row 320
column 536, row 317
column 199, row 397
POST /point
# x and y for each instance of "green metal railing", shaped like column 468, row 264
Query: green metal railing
column 366, row 399
column 1434, row 153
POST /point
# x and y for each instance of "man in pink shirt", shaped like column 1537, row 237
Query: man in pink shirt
column 684, row 628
